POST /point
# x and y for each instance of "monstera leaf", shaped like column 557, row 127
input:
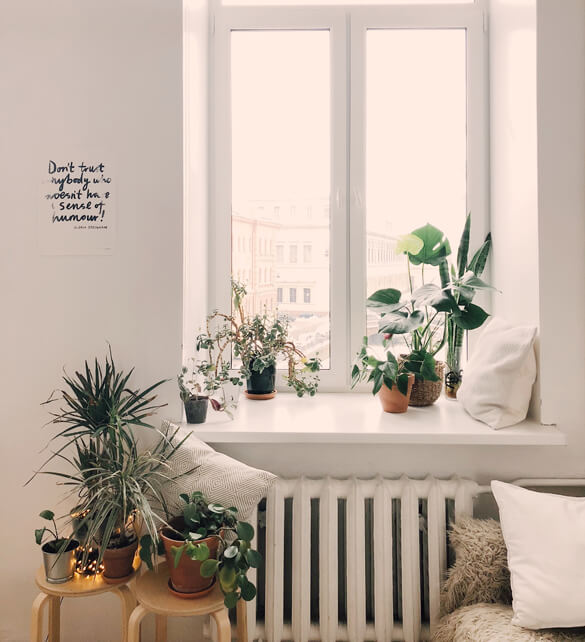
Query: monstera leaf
column 470, row 317
column 435, row 246
column 386, row 300
column 401, row 322
column 434, row 296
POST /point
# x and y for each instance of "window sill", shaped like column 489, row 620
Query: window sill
column 356, row 418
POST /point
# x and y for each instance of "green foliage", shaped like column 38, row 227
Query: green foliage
column 431, row 315
column 260, row 340
column 376, row 364
column 56, row 544
column 203, row 519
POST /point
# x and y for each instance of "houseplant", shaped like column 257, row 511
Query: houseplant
column 260, row 341
column 109, row 480
column 391, row 378
column 453, row 297
column 192, row 386
column 59, row 553
column 205, row 542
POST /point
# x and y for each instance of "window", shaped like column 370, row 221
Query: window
column 348, row 125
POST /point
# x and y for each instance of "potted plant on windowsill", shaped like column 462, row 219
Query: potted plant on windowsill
column 58, row 553
column 206, row 542
column 260, row 341
column 392, row 379
column 453, row 298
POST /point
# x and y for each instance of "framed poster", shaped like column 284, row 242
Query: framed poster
column 77, row 211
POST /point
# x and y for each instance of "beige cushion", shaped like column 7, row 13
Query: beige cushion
column 480, row 572
column 222, row 479
column 493, row 623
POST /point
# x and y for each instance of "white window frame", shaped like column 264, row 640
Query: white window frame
column 347, row 25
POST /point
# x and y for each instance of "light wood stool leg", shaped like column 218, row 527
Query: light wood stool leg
column 134, row 623
column 161, row 628
column 128, row 604
column 36, row 621
column 242, row 617
column 222, row 622
column 54, row 619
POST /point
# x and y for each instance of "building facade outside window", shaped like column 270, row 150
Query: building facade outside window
column 307, row 295
column 292, row 295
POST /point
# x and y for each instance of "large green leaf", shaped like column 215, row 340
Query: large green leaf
column 384, row 301
column 401, row 323
column 402, row 383
column 208, row 568
column 248, row 591
column 253, row 558
column 409, row 244
column 435, row 246
column 470, row 317
column 432, row 295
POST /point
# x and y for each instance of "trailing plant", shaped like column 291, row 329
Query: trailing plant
column 202, row 520
column 376, row 364
column 261, row 340
column 57, row 544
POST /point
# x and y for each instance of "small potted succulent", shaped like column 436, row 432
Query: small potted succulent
column 206, row 542
column 260, row 341
column 59, row 553
column 392, row 379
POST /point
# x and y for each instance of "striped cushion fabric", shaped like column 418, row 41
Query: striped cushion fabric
column 222, row 479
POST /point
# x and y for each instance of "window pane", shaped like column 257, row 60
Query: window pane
column 280, row 84
column 416, row 145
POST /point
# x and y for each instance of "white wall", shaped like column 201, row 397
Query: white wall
column 103, row 75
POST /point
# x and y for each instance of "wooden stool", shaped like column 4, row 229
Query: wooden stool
column 79, row 586
column 153, row 596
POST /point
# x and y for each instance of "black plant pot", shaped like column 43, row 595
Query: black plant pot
column 261, row 383
column 196, row 410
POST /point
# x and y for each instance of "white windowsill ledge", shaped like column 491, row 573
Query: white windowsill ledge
column 357, row 418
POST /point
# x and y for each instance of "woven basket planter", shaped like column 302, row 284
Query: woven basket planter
column 425, row 393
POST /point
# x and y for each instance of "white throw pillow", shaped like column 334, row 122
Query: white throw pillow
column 497, row 382
column 222, row 479
column 545, row 538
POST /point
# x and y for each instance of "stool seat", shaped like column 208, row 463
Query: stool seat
column 153, row 593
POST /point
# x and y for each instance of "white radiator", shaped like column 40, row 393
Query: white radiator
column 357, row 560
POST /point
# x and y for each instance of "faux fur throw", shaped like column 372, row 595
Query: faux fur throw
column 480, row 572
column 492, row 623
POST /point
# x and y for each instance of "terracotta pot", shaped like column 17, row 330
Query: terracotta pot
column 393, row 400
column 118, row 562
column 425, row 393
column 186, row 577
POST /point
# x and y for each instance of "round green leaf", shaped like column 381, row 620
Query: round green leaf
column 254, row 558
column 248, row 591
column 230, row 552
column 47, row 514
column 208, row 568
column 245, row 531
column 230, row 600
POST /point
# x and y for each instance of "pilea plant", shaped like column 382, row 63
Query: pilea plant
column 236, row 556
